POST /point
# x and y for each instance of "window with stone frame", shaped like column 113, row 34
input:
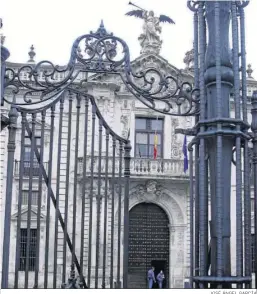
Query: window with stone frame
column 25, row 197
column 35, row 164
column 253, row 251
column 145, row 130
column 32, row 249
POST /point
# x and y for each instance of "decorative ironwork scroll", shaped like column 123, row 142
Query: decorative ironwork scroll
column 101, row 52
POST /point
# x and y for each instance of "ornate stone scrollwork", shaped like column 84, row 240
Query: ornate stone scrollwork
column 151, row 190
column 140, row 193
column 124, row 120
column 175, row 146
column 151, row 186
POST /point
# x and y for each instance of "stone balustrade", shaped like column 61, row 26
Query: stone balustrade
column 26, row 168
column 138, row 167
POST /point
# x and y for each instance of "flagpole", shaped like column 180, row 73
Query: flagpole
column 185, row 154
column 155, row 140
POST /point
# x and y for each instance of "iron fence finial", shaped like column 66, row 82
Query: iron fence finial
column 101, row 30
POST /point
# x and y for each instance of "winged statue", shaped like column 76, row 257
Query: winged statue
column 151, row 26
column 140, row 14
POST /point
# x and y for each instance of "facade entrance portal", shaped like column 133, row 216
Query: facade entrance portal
column 148, row 244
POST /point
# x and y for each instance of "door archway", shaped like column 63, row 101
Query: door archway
column 148, row 243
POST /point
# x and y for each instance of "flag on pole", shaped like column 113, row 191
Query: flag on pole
column 155, row 146
column 185, row 155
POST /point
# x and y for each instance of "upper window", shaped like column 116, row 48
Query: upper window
column 27, row 145
column 28, row 150
column 26, row 195
column 147, row 129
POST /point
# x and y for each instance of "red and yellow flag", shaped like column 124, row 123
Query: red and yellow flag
column 155, row 146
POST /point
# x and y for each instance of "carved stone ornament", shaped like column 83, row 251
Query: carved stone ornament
column 140, row 193
column 175, row 146
column 159, row 192
column 151, row 186
column 104, row 104
column 149, row 191
column 2, row 40
column 124, row 120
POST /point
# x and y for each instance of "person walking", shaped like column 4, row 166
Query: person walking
column 160, row 278
column 151, row 278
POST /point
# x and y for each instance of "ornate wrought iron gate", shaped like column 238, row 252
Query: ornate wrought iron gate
column 73, row 198
column 148, row 243
column 71, row 170
column 65, row 222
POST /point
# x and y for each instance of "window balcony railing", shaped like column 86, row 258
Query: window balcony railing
column 138, row 167
column 26, row 168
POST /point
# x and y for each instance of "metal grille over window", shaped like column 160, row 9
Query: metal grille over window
column 32, row 249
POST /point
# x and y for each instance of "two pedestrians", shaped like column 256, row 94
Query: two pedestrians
column 152, row 280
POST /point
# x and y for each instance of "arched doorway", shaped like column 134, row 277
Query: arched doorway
column 148, row 243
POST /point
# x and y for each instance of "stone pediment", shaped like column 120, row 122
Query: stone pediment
column 155, row 61
column 24, row 215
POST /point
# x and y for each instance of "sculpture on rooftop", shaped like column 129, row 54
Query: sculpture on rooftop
column 2, row 38
column 150, row 40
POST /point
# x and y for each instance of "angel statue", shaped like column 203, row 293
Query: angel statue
column 150, row 40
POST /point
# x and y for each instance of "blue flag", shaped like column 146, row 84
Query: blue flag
column 185, row 155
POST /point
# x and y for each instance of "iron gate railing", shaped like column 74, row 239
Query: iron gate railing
column 72, row 217
column 82, row 218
